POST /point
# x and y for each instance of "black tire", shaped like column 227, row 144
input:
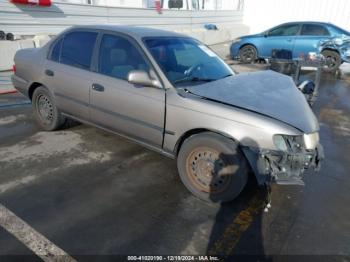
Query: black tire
column 248, row 54
column 45, row 111
column 203, row 157
column 10, row 37
column 2, row 35
column 333, row 61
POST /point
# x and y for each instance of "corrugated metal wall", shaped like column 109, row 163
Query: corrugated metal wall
column 263, row 14
column 32, row 20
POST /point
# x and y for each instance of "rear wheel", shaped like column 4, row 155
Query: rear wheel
column 45, row 111
column 212, row 167
column 333, row 60
column 248, row 54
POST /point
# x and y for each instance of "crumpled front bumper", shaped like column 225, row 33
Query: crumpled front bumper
column 285, row 168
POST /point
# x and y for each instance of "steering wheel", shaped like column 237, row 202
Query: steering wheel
column 190, row 70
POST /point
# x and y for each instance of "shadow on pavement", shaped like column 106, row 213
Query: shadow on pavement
column 237, row 232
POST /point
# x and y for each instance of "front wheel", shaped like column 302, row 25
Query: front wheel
column 45, row 111
column 212, row 167
column 248, row 54
column 333, row 60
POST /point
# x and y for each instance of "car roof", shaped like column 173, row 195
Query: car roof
column 308, row 22
column 134, row 31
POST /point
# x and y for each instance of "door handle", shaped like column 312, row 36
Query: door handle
column 98, row 87
column 289, row 40
column 49, row 72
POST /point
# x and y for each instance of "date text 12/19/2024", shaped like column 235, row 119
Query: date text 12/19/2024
column 173, row 258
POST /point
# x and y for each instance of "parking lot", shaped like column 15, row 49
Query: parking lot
column 90, row 192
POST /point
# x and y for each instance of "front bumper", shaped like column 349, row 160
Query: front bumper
column 284, row 168
column 234, row 49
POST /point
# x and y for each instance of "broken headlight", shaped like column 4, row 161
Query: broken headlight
column 288, row 143
column 280, row 143
column 296, row 143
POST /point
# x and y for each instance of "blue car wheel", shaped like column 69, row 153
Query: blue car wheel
column 248, row 54
column 333, row 60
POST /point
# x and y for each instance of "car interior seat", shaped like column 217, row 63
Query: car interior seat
column 120, row 66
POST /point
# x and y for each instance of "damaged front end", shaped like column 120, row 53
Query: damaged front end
column 286, row 166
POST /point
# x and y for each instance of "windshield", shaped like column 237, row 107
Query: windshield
column 185, row 61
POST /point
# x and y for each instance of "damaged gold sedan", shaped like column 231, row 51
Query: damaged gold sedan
column 172, row 94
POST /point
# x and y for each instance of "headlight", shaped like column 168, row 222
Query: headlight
column 338, row 41
column 296, row 143
column 280, row 143
column 236, row 40
column 311, row 140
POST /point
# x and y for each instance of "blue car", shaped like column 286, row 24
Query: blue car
column 298, row 37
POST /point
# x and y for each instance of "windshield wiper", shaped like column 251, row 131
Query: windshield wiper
column 194, row 79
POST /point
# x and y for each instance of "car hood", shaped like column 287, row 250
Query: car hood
column 266, row 92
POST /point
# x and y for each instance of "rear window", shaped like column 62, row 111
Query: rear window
column 314, row 30
column 77, row 49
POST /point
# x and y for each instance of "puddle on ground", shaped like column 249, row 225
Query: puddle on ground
column 338, row 121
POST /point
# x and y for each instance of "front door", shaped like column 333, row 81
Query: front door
column 135, row 111
column 281, row 37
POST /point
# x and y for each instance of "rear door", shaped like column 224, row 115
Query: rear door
column 67, row 72
column 309, row 38
column 281, row 37
column 136, row 111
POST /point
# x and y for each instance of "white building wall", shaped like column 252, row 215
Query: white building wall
column 30, row 20
column 118, row 3
column 260, row 15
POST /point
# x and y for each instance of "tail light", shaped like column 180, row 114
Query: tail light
column 14, row 68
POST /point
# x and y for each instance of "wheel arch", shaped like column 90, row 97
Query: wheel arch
column 196, row 131
column 32, row 88
column 247, row 153
column 330, row 49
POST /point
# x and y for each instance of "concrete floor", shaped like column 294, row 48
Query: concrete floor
column 93, row 193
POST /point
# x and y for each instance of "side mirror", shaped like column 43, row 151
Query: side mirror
column 308, row 88
column 142, row 78
column 266, row 34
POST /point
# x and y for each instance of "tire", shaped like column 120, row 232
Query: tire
column 212, row 167
column 333, row 61
column 248, row 54
column 45, row 111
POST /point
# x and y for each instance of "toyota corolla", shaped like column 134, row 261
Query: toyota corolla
column 174, row 95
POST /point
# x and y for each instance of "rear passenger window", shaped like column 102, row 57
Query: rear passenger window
column 77, row 49
column 118, row 56
column 314, row 30
column 56, row 50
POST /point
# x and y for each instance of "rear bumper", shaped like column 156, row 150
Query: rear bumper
column 283, row 167
column 20, row 84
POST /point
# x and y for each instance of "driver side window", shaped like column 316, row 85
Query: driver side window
column 285, row 30
column 118, row 56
